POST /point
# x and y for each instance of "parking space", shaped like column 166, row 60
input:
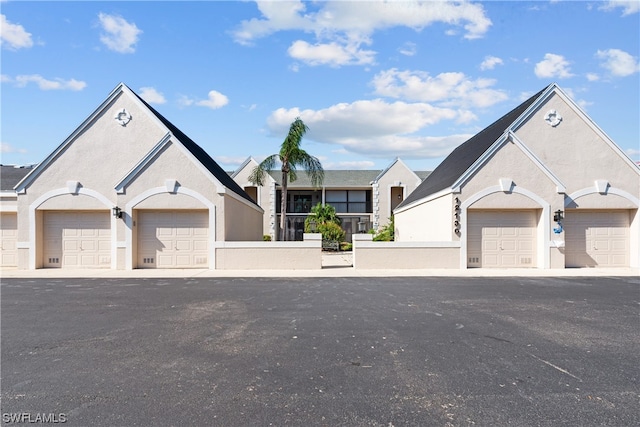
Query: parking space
column 528, row 351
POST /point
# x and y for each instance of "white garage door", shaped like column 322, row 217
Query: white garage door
column 597, row 238
column 501, row 238
column 77, row 239
column 173, row 239
column 9, row 235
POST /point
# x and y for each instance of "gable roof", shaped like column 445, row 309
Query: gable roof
column 203, row 157
column 466, row 154
column 332, row 178
column 397, row 160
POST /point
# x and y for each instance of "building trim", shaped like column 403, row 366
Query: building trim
column 594, row 190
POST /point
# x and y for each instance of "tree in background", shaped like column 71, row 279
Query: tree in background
column 291, row 156
column 326, row 222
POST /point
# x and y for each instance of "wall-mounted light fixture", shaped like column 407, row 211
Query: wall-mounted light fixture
column 558, row 215
column 399, row 196
column 117, row 212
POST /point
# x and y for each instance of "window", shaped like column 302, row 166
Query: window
column 349, row 201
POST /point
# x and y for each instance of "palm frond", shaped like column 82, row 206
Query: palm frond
column 257, row 175
column 313, row 167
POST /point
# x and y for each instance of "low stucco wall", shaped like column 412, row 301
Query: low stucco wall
column 405, row 255
column 306, row 255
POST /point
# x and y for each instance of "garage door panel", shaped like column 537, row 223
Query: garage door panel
column 183, row 245
column 9, row 239
column 200, row 245
column 165, row 261
column 183, row 261
column 491, row 245
column 597, row 238
column 77, row 239
column 177, row 239
column 490, row 260
column 508, row 260
column 501, row 238
column 508, row 231
column 508, row 245
column 525, row 246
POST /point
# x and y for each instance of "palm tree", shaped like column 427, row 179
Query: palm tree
column 291, row 157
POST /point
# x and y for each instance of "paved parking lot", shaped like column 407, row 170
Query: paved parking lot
column 529, row 351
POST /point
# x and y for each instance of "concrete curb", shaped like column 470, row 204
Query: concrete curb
column 331, row 271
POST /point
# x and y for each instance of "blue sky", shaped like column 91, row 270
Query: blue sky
column 372, row 80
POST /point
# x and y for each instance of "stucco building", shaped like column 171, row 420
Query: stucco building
column 543, row 186
column 362, row 198
column 127, row 189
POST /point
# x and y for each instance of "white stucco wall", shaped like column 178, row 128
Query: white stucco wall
column 576, row 153
column 429, row 221
column 398, row 175
column 266, row 196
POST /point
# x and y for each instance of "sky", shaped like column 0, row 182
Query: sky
column 372, row 80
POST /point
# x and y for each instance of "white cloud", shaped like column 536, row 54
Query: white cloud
column 553, row 66
column 13, row 36
column 349, row 165
column 119, row 35
column 152, row 96
column 633, row 153
column 332, row 54
column 230, row 160
column 45, row 84
column 629, row 7
column 408, row 49
column 490, row 62
column 618, row 62
column 449, row 89
column 342, row 27
column 214, row 101
column 374, row 127
column 185, row 101
column 593, row 77
column 8, row 148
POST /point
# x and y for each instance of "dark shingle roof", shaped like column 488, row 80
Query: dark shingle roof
column 200, row 154
column 10, row 176
column 461, row 159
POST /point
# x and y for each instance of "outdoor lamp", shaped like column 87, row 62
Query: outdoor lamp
column 117, row 212
column 558, row 215
column 312, row 225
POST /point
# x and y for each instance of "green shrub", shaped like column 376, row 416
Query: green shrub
column 321, row 214
column 331, row 231
column 266, row 238
column 386, row 233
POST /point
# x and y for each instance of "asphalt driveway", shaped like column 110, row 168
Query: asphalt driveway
column 323, row 351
